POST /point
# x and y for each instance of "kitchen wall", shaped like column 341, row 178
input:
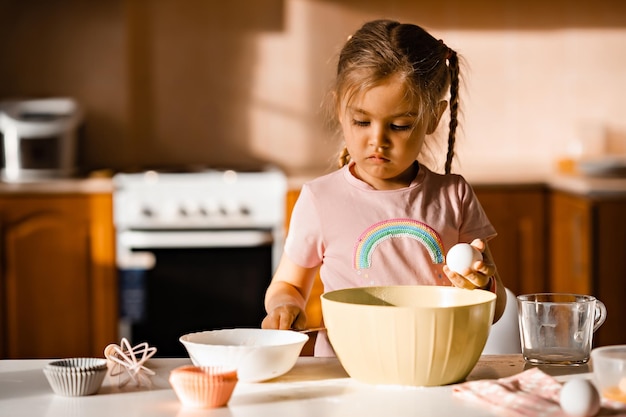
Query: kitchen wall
column 239, row 83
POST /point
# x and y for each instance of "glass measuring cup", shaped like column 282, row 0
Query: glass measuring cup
column 557, row 328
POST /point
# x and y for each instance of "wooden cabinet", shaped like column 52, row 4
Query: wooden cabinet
column 58, row 288
column 518, row 213
column 588, row 248
column 553, row 241
column 314, row 305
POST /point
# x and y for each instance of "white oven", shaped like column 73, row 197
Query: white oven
column 195, row 251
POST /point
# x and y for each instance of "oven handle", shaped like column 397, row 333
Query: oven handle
column 132, row 239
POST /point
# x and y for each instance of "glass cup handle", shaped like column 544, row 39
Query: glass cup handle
column 600, row 315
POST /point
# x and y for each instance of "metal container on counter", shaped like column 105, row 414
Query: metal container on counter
column 39, row 138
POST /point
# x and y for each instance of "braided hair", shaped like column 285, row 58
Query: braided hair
column 382, row 48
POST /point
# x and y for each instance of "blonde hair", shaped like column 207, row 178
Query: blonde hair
column 383, row 48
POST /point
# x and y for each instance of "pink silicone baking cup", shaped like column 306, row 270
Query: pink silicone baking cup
column 203, row 386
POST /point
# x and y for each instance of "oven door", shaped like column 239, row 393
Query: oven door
column 177, row 282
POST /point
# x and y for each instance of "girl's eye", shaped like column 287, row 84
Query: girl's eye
column 360, row 123
column 392, row 126
column 400, row 127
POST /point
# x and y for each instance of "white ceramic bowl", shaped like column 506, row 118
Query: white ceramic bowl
column 256, row 354
column 609, row 371
column 408, row 335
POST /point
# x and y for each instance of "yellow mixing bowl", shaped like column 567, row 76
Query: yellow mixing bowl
column 408, row 335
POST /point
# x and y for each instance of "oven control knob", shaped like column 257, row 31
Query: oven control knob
column 172, row 211
column 147, row 212
column 231, row 209
column 188, row 209
column 211, row 208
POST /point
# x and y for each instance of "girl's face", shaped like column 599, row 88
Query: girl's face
column 384, row 134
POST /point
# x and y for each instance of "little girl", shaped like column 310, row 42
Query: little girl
column 384, row 218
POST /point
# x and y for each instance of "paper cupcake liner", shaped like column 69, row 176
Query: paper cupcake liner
column 78, row 364
column 75, row 383
column 203, row 387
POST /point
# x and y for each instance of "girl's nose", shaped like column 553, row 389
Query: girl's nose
column 378, row 137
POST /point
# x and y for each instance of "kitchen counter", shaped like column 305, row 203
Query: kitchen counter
column 528, row 176
column 314, row 387
column 588, row 186
column 59, row 186
column 495, row 176
column 520, row 175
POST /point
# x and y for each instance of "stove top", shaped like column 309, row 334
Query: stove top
column 206, row 198
column 195, row 168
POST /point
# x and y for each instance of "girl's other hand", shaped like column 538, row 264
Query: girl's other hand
column 480, row 273
column 285, row 317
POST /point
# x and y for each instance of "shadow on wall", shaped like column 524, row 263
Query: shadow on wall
column 615, row 141
column 171, row 83
column 163, row 82
column 501, row 15
column 171, row 43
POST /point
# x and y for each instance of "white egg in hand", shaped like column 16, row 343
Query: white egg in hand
column 462, row 256
column 580, row 398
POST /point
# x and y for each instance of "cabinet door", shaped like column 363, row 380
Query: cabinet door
column 571, row 244
column 103, row 279
column 518, row 215
column 47, row 273
column 588, row 247
column 313, row 308
column 610, row 272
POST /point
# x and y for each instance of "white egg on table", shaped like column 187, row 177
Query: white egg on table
column 579, row 398
column 462, row 256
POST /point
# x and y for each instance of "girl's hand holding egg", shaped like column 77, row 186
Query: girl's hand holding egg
column 466, row 267
column 461, row 257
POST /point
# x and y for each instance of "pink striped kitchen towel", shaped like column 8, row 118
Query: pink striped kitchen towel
column 531, row 393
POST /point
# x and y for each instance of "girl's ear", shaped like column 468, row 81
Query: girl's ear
column 434, row 122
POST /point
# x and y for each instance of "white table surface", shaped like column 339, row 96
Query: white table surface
column 314, row 387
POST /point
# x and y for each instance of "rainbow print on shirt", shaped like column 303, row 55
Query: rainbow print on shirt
column 396, row 228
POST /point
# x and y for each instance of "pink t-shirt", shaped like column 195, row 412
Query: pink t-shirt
column 367, row 237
